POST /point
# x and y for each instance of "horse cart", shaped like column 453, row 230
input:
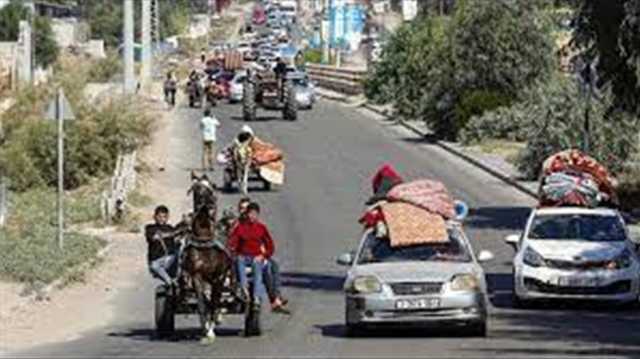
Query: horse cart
column 170, row 302
column 205, row 274
column 234, row 172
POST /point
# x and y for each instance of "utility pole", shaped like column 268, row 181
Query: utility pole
column 145, row 73
column 60, row 110
column 326, row 34
column 129, row 76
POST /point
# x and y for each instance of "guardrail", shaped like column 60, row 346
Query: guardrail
column 123, row 181
column 4, row 202
column 344, row 80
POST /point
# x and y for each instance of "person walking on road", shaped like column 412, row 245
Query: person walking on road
column 209, row 127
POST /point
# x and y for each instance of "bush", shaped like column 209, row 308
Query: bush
column 313, row 56
column 28, row 242
column 104, row 70
column 476, row 103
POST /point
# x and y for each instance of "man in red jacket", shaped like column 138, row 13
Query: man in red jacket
column 252, row 244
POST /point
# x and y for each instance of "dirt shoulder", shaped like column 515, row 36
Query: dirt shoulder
column 26, row 321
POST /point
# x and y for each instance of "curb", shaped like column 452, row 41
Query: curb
column 492, row 171
column 339, row 98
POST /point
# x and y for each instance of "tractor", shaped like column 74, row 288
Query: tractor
column 264, row 89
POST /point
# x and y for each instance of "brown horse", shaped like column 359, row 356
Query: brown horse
column 206, row 264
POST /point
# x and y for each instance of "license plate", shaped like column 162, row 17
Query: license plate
column 422, row 303
column 579, row 281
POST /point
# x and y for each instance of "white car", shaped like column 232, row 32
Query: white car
column 236, row 87
column 575, row 253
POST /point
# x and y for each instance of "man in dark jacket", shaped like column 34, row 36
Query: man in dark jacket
column 162, row 245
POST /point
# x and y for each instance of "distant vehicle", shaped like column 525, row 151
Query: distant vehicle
column 575, row 253
column 236, row 86
column 259, row 17
column 425, row 284
column 289, row 8
column 305, row 89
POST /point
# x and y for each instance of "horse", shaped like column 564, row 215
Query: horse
column 203, row 191
column 206, row 264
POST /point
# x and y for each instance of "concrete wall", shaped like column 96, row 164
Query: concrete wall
column 69, row 31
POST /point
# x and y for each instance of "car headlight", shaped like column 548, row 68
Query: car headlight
column 366, row 285
column 533, row 258
column 622, row 261
column 464, row 282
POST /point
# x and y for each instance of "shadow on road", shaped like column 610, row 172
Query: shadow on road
column 498, row 218
column 259, row 119
column 397, row 332
column 312, row 281
column 180, row 335
column 600, row 323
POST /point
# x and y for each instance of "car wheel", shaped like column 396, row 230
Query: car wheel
column 478, row 329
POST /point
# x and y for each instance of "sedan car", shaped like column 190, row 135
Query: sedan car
column 236, row 86
column 575, row 253
column 304, row 87
column 425, row 284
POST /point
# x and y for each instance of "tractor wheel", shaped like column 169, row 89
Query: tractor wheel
column 249, row 101
column 290, row 111
column 164, row 312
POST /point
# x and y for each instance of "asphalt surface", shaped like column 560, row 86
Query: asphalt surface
column 332, row 151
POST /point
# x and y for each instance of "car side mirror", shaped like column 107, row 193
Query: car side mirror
column 345, row 259
column 513, row 240
column 485, row 256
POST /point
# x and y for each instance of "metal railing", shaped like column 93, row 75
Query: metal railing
column 344, row 80
column 123, row 181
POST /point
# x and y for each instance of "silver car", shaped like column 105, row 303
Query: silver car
column 421, row 285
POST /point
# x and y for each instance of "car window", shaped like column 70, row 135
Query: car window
column 379, row 250
column 595, row 228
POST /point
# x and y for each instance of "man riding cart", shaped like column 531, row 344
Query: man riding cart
column 250, row 155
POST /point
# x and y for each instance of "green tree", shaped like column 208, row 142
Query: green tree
column 609, row 31
column 46, row 49
column 446, row 70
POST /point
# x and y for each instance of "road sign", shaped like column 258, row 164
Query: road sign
column 60, row 108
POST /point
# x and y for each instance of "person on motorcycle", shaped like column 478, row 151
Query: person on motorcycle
column 252, row 245
column 170, row 85
column 209, row 127
column 271, row 272
column 162, row 246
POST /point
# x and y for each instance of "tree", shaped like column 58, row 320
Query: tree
column 46, row 49
column 609, row 32
column 446, row 70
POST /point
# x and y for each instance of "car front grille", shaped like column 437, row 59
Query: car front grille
column 619, row 287
column 570, row 265
column 416, row 288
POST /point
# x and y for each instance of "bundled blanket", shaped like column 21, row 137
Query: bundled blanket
column 575, row 179
column 269, row 159
column 413, row 213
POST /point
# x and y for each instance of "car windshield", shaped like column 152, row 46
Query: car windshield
column 302, row 82
column 584, row 227
column 377, row 250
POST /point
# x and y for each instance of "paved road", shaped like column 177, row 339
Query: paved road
column 332, row 152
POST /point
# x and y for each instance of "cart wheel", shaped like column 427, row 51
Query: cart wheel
column 164, row 312
column 266, row 185
column 252, row 321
